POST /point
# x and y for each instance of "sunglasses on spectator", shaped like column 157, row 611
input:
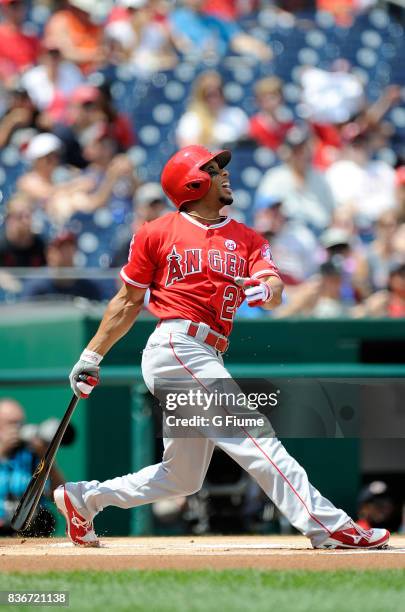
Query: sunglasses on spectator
column 89, row 104
column 55, row 53
column 213, row 93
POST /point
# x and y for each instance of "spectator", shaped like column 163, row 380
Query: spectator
column 396, row 289
column 389, row 302
column 363, row 188
column 331, row 96
column 84, row 110
column 110, row 173
column 334, row 102
column 118, row 43
column 19, row 245
column 319, row 297
column 149, row 204
column 51, row 83
column 18, row 461
column 400, row 185
column 89, row 106
column 208, row 120
column 304, row 192
column 60, row 254
column 207, row 35
column 330, row 304
column 294, row 247
column 20, row 121
column 382, row 252
column 229, row 10
column 341, row 246
column 267, row 127
column 72, row 31
column 344, row 11
column 18, row 50
column 377, row 506
column 120, row 124
column 40, row 182
column 144, row 33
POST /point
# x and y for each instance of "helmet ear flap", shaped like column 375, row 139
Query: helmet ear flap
column 194, row 185
column 182, row 178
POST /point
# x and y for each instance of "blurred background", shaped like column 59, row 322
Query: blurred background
column 94, row 98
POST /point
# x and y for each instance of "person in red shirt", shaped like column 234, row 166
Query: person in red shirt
column 199, row 265
column 396, row 287
column 267, row 127
column 229, row 10
column 73, row 31
column 18, row 50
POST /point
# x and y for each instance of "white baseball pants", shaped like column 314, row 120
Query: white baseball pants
column 170, row 353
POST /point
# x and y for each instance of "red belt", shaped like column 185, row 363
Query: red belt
column 219, row 343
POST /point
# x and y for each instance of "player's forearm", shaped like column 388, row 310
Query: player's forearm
column 117, row 321
column 276, row 285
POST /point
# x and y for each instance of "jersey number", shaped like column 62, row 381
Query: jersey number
column 231, row 295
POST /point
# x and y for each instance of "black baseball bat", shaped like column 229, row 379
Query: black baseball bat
column 29, row 501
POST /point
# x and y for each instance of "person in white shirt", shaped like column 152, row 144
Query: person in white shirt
column 293, row 245
column 51, row 83
column 208, row 120
column 363, row 188
column 305, row 194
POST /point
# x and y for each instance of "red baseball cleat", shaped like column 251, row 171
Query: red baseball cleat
column 353, row 536
column 78, row 530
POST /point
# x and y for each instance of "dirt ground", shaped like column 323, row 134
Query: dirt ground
column 188, row 553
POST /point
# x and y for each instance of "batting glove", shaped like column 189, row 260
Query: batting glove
column 88, row 364
column 257, row 293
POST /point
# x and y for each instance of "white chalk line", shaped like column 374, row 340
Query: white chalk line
column 274, row 548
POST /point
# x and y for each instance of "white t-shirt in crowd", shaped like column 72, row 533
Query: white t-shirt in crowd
column 370, row 188
column 42, row 91
column 296, row 251
column 231, row 124
column 330, row 97
column 311, row 203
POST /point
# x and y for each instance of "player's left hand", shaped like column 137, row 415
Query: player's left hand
column 84, row 370
column 256, row 292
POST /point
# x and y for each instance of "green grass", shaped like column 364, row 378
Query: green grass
column 220, row 591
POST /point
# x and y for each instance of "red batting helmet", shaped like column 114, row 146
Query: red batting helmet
column 182, row 178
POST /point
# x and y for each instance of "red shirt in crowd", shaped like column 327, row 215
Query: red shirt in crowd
column 17, row 50
column 266, row 133
column 229, row 10
column 396, row 308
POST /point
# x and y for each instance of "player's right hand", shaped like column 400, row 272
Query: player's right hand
column 84, row 370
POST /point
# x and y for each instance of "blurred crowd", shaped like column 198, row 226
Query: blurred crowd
column 331, row 206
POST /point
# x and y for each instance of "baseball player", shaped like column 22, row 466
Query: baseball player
column 192, row 260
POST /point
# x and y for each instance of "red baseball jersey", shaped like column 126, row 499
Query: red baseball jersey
column 190, row 267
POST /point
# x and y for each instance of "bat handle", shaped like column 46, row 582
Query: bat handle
column 240, row 280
